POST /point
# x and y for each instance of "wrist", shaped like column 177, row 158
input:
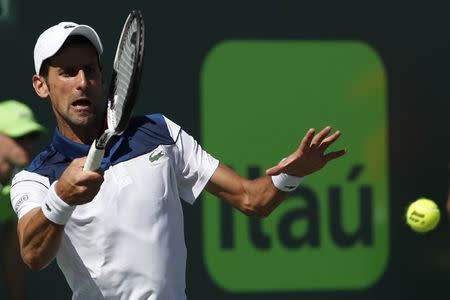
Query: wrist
column 285, row 182
column 55, row 209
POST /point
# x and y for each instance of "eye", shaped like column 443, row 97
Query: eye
column 69, row 72
column 91, row 70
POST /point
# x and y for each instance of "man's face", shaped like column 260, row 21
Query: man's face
column 75, row 84
column 15, row 152
column 23, row 153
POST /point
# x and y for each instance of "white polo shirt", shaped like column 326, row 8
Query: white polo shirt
column 128, row 242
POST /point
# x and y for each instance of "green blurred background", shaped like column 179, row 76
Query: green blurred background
column 411, row 41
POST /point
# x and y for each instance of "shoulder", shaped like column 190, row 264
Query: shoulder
column 46, row 157
column 30, row 177
column 155, row 126
column 49, row 163
column 143, row 135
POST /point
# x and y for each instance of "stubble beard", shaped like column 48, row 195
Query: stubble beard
column 80, row 124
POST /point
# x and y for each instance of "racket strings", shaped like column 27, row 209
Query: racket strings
column 125, row 69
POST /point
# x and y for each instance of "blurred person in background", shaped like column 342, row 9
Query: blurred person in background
column 19, row 132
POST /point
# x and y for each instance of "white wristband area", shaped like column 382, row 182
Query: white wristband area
column 285, row 182
column 55, row 209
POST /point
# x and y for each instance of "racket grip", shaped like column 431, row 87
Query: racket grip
column 94, row 158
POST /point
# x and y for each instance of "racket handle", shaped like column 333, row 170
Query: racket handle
column 94, row 158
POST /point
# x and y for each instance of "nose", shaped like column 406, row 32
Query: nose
column 81, row 79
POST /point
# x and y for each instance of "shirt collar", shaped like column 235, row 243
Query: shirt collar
column 68, row 147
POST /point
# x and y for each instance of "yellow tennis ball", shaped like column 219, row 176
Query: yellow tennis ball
column 423, row 215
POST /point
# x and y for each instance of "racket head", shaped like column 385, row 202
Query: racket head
column 126, row 73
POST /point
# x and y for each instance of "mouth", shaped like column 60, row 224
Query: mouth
column 82, row 105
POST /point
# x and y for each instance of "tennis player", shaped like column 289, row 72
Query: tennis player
column 117, row 233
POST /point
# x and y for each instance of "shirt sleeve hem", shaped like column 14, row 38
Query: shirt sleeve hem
column 202, row 181
column 27, row 209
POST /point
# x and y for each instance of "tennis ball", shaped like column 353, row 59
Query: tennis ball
column 423, row 215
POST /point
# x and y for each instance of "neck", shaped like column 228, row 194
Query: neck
column 85, row 134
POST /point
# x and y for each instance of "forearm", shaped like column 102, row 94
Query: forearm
column 262, row 197
column 39, row 239
column 40, row 234
column 258, row 197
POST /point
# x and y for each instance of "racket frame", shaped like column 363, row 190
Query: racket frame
column 117, row 127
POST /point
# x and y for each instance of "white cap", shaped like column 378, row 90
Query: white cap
column 51, row 40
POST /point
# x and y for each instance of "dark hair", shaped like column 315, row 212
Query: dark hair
column 44, row 67
column 71, row 40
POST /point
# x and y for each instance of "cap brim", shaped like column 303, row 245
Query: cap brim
column 24, row 129
column 90, row 34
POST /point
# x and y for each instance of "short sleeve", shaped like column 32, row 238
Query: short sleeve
column 194, row 165
column 28, row 190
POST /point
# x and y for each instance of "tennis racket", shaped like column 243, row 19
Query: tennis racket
column 123, row 88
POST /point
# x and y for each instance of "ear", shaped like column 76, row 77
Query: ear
column 40, row 86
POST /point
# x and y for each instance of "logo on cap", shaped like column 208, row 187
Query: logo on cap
column 69, row 26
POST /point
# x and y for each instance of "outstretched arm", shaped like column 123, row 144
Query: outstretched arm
column 259, row 197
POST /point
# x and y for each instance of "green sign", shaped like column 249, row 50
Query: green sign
column 258, row 99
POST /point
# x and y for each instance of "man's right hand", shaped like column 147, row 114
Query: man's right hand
column 76, row 186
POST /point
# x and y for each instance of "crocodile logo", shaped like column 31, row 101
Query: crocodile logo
column 155, row 156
